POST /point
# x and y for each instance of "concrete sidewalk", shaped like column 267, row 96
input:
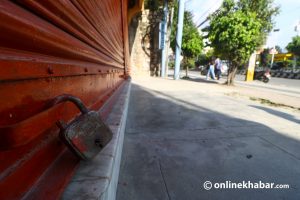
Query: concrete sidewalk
column 180, row 134
column 278, row 94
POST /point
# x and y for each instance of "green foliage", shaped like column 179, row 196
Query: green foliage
column 294, row 46
column 235, row 35
column 211, row 53
column 152, row 4
column 192, row 43
column 188, row 63
column 203, row 60
column 278, row 49
column 171, row 64
column 239, row 28
column 265, row 11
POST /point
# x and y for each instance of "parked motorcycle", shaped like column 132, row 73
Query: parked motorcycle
column 263, row 76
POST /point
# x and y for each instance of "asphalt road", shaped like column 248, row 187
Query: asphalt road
column 282, row 82
column 290, row 87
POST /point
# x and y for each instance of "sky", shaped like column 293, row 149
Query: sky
column 286, row 20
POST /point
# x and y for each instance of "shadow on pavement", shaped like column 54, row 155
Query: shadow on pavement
column 279, row 114
column 172, row 146
column 201, row 80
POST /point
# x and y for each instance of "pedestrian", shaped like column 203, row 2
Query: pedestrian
column 211, row 71
column 218, row 67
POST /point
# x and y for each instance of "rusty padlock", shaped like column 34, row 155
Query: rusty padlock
column 87, row 134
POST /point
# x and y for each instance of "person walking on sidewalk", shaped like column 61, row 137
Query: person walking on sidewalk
column 218, row 66
column 211, row 71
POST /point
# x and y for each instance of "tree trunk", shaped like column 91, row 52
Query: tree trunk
column 231, row 75
column 187, row 71
column 185, row 65
column 294, row 62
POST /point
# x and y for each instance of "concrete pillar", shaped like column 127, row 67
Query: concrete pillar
column 179, row 39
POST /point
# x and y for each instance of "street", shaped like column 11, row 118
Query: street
column 281, row 82
column 284, row 86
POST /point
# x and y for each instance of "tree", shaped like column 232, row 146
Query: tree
column 151, row 4
column 265, row 12
column 202, row 60
column 234, row 35
column 294, row 46
column 278, row 49
column 264, row 57
column 192, row 43
column 237, row 29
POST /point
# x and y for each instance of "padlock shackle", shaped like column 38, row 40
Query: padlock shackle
column 66, row 97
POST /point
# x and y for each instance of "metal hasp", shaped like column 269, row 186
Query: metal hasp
column 87, row 134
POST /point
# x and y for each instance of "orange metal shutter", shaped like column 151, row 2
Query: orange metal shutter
column 49, row 48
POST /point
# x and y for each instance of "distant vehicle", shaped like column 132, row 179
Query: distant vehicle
column 277, row 66
column 203, row 69
column 224, row 68
column 263, row 76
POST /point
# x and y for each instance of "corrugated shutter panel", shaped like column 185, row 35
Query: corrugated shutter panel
column 48, row 48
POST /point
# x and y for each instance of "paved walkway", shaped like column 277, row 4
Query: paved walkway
column 180, row 134
column 288, row 94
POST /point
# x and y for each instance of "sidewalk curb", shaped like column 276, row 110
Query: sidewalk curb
column 98, row 178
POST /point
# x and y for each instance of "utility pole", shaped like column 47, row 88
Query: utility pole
column 273, row 50
column 163, row 40
column 179, row 39
column 169, row 30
